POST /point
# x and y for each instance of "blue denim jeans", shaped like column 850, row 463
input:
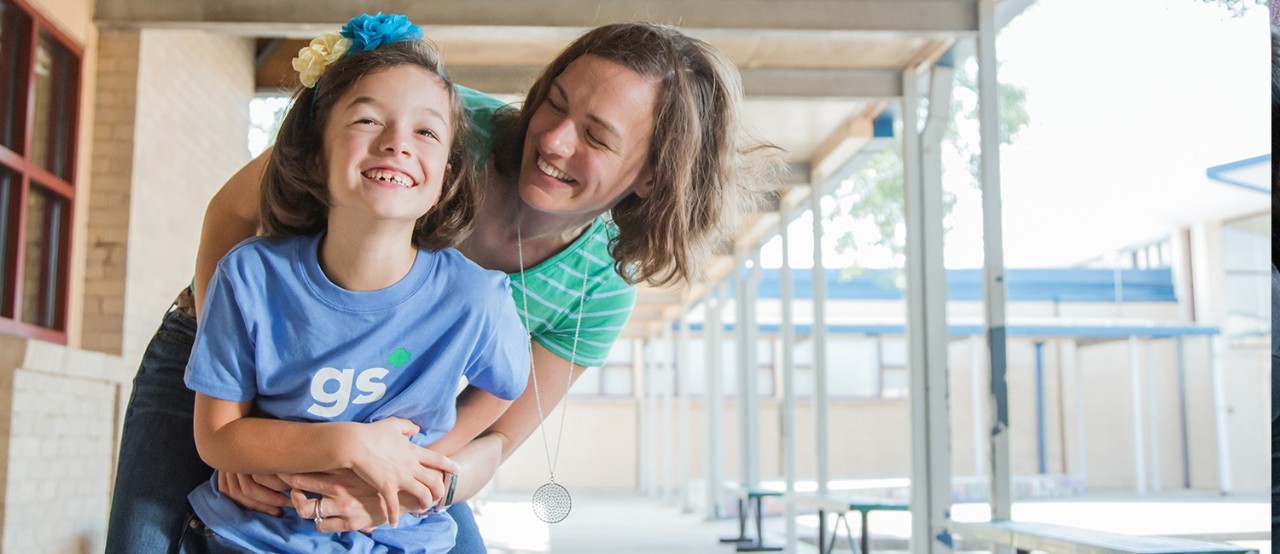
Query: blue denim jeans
column 468, row 540
column 197, row 538
column 158, row 463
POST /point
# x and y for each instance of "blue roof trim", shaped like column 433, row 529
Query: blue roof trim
column 1039, row 330
column 948, row 58
column 1218, row 172
column 1023, row 285
column 882, row 126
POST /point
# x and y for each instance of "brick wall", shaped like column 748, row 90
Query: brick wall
column 171, row 127
column 109, row 198
column 192, row 128
column 58, row 409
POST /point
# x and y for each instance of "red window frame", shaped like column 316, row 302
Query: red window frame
column 28, row 176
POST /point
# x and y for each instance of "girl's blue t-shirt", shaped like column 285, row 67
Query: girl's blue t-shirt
column 277, row 331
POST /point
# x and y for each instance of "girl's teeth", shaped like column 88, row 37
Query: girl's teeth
column 397, row 179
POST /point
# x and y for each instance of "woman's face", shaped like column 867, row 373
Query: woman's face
column 587, row 145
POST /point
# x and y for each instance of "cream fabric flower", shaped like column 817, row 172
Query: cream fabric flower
column 314, row 58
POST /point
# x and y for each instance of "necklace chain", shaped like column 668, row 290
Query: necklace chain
column 573, row 355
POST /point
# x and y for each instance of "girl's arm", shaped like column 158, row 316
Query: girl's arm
column 232, row 217
column 476, row 410
column 478, row 460
column 379, row 453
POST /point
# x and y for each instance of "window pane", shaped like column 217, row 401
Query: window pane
column 8, row 236
column 50, row 132
column 1246, row 244
column 40, row 259
column 13, row 33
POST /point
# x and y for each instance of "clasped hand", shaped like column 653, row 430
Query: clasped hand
column 388, row 475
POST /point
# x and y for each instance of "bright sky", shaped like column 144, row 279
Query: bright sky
column 1130, row 102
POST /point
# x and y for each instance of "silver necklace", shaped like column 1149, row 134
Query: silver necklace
column 551, row 502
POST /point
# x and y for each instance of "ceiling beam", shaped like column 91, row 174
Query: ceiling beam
column 757, row 83
column 872, row 84
column 285, row 17
column 841, row 144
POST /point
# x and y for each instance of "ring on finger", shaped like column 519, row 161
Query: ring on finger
column 319, row 512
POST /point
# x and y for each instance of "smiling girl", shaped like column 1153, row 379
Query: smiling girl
column 302, row 361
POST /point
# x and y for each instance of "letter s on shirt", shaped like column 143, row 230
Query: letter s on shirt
column 369, row 383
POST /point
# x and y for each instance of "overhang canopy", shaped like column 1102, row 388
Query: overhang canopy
column 818, row 74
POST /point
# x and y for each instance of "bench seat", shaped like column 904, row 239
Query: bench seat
column 1027, row 536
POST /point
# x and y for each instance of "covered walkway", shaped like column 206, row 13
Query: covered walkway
column 622, row 524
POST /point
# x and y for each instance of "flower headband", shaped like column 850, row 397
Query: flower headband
column 362, row 33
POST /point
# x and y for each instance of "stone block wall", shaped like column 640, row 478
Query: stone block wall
column 58, row 409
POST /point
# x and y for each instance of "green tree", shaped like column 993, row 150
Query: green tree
column 875, row 193
column 1238, row 7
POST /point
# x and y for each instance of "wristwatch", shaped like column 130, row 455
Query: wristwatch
column 448, row 497
column 453, row 485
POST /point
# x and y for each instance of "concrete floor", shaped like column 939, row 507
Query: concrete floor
column 630, row 524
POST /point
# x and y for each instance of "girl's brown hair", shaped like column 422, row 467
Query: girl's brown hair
column 295, row 192
column 706, row 171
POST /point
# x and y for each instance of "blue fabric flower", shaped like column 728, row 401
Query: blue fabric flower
column 371, row 31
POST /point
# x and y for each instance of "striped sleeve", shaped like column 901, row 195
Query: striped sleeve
column 553, row 303
column 603, row 318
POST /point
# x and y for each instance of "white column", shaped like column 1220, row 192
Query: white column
column 978, row 390
column 712, row 331
column 927, row 334
column 649, row 419
column 668, row 411
column 1185, row 447
column 993, row 260
column 752, row 401
column 683, row 379
column 788, row 411
column 651, row 410
column 1078, row 392
column 1135, row 401
column 743, row 321
column 640, row 392
column 1220, row 442
column 1152, row 393
column 818, row 336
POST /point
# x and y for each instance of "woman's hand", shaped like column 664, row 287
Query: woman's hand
column 383, row 457
column 260, row 493
column 351, row 504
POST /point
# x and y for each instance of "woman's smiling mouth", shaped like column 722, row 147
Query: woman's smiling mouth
column 551, row 171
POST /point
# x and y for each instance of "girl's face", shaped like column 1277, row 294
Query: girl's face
column 386, row 147
column 587, row 145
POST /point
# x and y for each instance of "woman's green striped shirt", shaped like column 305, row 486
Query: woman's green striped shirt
column 553, row 288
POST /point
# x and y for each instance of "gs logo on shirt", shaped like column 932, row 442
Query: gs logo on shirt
column 333, row 403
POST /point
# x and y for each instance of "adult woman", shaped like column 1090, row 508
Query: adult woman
column 634, row 119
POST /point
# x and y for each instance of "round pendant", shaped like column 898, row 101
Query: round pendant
column 551, row 503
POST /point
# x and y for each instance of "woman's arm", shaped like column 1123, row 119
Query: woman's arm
column 232, row 217
column 379, row 452
column 480, row 458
